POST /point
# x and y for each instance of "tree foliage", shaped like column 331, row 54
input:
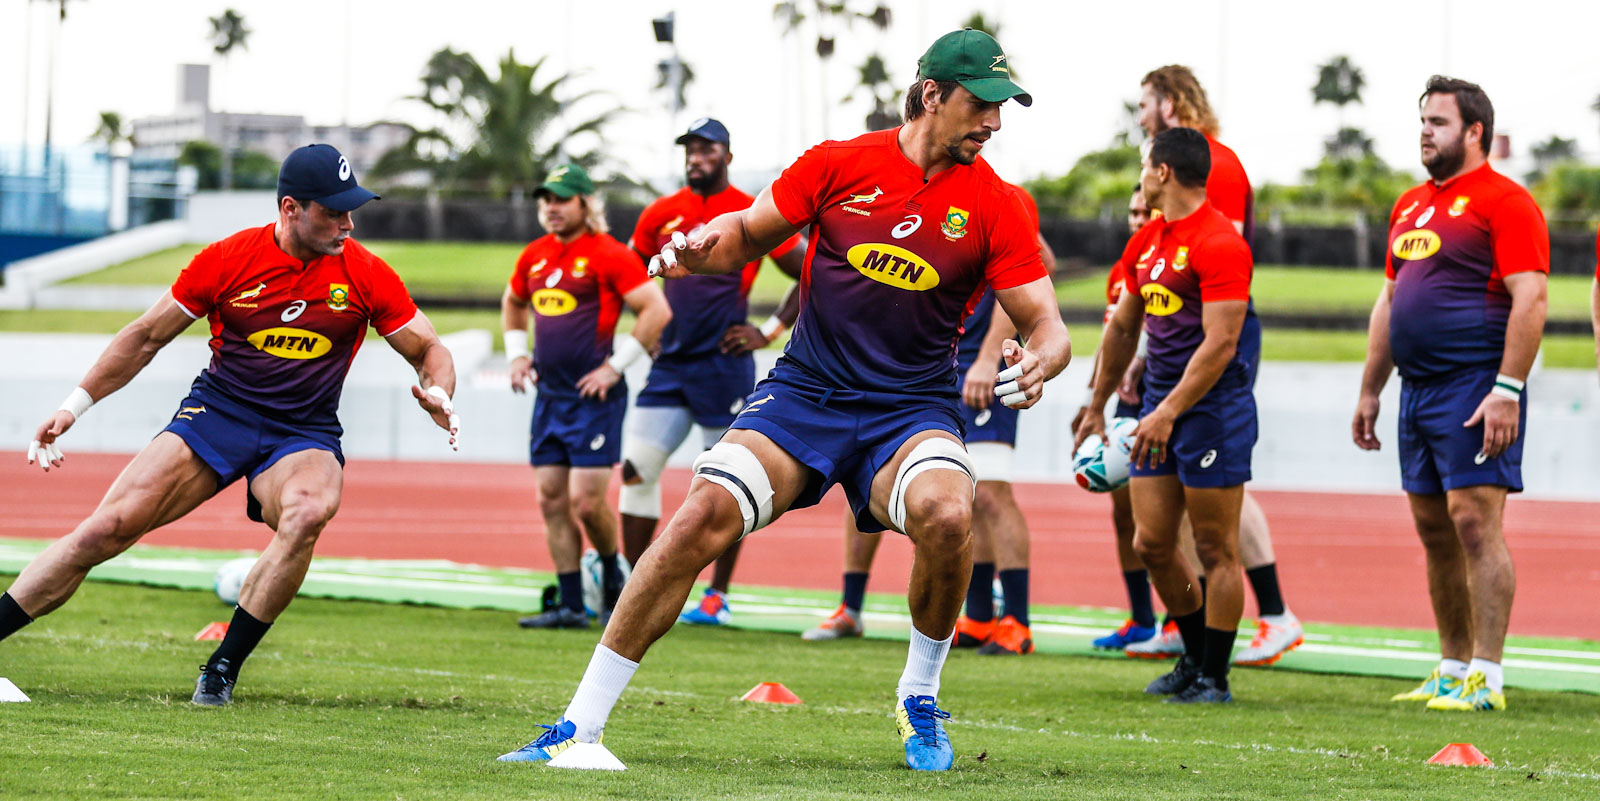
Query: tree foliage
column 1338, row 82
column 228, row 32
column 1361, row 184
column 111, row 131
column 1101, row 180
column 251, row 169
column 498, row 133
column 1569, row 188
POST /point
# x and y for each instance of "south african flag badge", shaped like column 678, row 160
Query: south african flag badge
column 338, row 297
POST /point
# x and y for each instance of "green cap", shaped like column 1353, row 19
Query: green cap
column 565, row 181
column 974, row 60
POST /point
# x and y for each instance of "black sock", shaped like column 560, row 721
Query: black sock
column 1264, row 583
column 1014, row 583
column 244, row 633
column 571, row 590
column 610, row 571
column 12, row 617
column 1193, row 629
column 1219, row 650
column 1139, row 606
column 855, row 591
column 980, row 592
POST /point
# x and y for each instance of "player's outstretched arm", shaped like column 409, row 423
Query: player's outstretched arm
column 436, row 373
column 727, row 243
column 1117, row 345
column 130, row 350
column 1032, row 308
column 1380, row 363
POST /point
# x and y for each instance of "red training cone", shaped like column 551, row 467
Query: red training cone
column 770, row 692
column 1460, row 754
column 215, row 631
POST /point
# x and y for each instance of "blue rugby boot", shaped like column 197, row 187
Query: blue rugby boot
column 920, row 721
column 555, row 739
column 712, row 611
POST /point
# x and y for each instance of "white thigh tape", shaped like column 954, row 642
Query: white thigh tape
column 737, row 470
column 934, row 453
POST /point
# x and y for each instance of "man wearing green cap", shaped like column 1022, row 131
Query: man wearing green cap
column 575, row 280
column 908, row 226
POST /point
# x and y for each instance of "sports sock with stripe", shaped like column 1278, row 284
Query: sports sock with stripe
column 980, row 592
column 12, row 617
column 1264, row 583
column 855, row 591
column 924, row 661
column 1014, row 583
column 607, row 676
column 1139, row 606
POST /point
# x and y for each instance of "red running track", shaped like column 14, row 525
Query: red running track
column 1342, row 558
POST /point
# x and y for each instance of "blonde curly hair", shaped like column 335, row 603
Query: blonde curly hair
column 1177, row 83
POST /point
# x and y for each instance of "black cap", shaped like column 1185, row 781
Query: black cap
column 320, row 173
column 707, row 129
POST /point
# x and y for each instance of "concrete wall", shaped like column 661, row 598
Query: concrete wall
column 1305, row 415
column 26, row 278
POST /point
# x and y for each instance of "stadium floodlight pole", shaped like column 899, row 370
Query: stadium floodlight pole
column 664, row 30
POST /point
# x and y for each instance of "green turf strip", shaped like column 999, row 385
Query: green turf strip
column 1531, row 662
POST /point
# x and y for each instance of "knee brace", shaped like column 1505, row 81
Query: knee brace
column 737, row 470
column 640, row 500
column 642, row 460
column 934, row 453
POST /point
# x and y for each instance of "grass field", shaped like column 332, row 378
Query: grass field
column 361, row 700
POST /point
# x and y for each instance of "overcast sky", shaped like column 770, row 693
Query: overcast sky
column 356, row 60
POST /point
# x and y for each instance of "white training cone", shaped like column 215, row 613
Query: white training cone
column 587, row 756
column 10, row 693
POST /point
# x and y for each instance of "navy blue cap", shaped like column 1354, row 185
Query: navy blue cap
column 707, row 129
column 320, row 173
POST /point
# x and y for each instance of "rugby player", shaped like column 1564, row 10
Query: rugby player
column 908, row 227
column 575, row 280
column 705, row 367
column 1141, row 623
column 1198, row 421
column 1170, row 97
column 288, row 305
column 1461, row 316
column 999, row 531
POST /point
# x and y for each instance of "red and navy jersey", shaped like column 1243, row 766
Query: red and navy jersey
column 575, row 291
column 1597, row 257
column 1228, row 189
column 1116, row 287
column 703, row 306
column 976, row 327
column 896, row 262
column 1177, row 268
column 283, row 333
column 1450, row 247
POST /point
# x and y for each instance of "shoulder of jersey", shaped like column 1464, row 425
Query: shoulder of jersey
column 868, row 139
column 1503, row 187
column 244, row 242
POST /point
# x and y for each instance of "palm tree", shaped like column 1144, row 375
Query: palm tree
column 874, row 79
column 496, row 133
column 111, row 132
column 1338, row 82
column 228, row 32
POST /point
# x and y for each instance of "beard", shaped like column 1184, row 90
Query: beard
column 705, row 181
column 1447, row 159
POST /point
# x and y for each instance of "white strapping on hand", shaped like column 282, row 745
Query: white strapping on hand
column 44, row 453
column 455, row 419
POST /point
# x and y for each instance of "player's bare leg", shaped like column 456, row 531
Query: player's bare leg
column 700, row 531
column 298, row 494
column 1140, row 627
column 995, row 509
column 939, row 525
column 560, row 526
column 588, row 494
column 1215, row 515
column 1158, row 510
column 1448, row 586
column 164, row 482
column 1491, row 578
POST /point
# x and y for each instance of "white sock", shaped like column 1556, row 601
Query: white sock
column 603, row 682
column 1493, row 675
column 1454, row 668
column 924, row 660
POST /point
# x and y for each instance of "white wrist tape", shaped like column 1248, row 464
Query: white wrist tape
column 516, row 345
column 77, row 402
column 626, row 353
column 1507, row 387
column 771, row 327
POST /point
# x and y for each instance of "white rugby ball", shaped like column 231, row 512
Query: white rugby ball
column 230, row 579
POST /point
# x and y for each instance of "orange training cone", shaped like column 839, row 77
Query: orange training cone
column 1460, row 754
column 215, row 631
column 770, row 692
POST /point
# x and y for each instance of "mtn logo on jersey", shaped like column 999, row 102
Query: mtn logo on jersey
column 955, row 223
column 894, row 266
column 338, row 297
column 290, row 343
column 554, row 302
column 1159, row 300
column 1418, row 244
